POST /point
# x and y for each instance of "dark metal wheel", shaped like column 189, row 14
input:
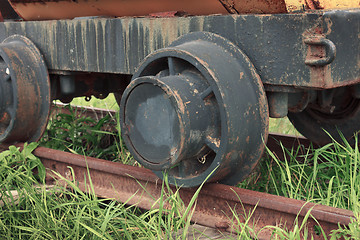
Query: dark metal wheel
column 342, row 115
column 24, row 91
column 194, row 108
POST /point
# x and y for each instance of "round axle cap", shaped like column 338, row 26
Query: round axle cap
column 165, row 119
column 153, row 122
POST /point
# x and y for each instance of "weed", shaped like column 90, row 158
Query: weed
column 17, row 167
column 328, row 175
column 77, row 134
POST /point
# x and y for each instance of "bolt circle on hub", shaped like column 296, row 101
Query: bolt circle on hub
column 196, row 108
column 25, row 91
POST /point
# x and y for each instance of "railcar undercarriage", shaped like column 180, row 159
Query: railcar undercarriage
column 195, row 92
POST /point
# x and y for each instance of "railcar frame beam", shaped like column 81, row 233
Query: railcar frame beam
column 315, row 49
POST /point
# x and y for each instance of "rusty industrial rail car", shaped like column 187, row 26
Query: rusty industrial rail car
column 196, row 81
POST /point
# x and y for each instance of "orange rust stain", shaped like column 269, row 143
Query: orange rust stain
column 241, row 75
column 181, row 105
column 257, row 6
column 215, row 141
column 4, row 118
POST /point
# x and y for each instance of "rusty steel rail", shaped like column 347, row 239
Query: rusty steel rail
column 215, row 204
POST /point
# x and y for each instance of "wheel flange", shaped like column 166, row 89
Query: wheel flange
column 196, row 108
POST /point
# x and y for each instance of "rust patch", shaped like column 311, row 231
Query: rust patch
column 241, row 75
column 169, row 14
column 214, row 141
column 259, row 6
column 29, row 111
column 181, row 105
column 317, row 73
column 68, row 9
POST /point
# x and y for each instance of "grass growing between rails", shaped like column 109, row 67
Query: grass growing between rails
column 328, row 175
column 60, row 213
column 69, row 213
column 77, row 133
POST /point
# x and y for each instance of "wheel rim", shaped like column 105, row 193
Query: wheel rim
column 321, row 125
column 25, row 87
column 213, row 119
column 345, row 105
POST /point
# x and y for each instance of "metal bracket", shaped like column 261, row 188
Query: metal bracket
column 330, row 49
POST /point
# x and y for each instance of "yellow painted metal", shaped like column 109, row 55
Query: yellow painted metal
column 295, row 5
column 299, row 5
column 339, row 4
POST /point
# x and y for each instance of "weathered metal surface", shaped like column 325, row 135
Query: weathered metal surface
column 258, row 6
column 301, row 5
column 215, row 204
column 68, row 85
column 278, row 104
column 278, row 143
column 191, row 114
column 68, row 9
column 332, row 4
column 24, row 91
column 274, row 43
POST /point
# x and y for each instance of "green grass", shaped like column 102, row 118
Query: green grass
column 107, row 103
column 283, row 126
column 328, row 175
column 60, row 213
column 79, row 134
column 69, row 213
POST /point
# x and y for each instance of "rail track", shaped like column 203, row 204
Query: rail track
column 216, row 203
